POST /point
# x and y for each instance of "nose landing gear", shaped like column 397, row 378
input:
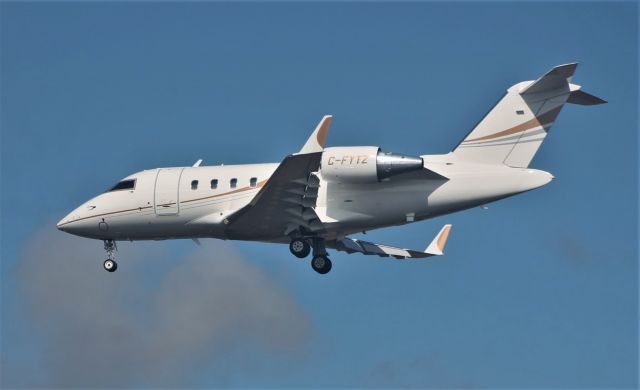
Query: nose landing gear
column 110, row 264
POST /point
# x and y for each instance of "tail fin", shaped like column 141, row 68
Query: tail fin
column 514, row 129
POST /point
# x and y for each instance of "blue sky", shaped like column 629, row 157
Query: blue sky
column 538, row 291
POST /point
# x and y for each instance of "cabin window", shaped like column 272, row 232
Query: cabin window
column 124, row 185
column 214, row 184
column 253, row 182
column 194, row 184
column 234, row 183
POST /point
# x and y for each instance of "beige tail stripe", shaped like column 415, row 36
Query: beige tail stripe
column 544, row 119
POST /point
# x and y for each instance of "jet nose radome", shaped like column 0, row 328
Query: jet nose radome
column 65, row 222
column 77, row 222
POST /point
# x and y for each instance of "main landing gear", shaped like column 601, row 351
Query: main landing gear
column 301, row 248
column 110, row 264
column 321, row 264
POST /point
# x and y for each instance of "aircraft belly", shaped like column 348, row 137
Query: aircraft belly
column 374, row 205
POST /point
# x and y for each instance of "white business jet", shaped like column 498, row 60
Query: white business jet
column 314, row 199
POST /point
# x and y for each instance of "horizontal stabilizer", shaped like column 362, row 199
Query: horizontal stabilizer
column 352, row 245
column 584, row 99
column 557, row 78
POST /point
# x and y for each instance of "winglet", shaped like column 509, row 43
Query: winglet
column 436, row 247
column 315, row 143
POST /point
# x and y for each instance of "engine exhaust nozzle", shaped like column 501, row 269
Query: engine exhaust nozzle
column 392, row 164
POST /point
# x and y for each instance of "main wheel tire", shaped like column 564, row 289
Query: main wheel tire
column 300, row 248
column 110, row 265
column 321, row 264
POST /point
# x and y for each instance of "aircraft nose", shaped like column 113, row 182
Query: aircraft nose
column 81, row 222
column 77, row 224
column 64, row 222
column 74, row 222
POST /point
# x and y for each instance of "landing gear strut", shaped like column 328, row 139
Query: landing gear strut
column 110, row 264
column 300, row 248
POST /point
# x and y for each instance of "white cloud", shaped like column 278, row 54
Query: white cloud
column 141, row 326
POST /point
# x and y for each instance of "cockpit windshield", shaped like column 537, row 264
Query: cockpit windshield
column 124, row 185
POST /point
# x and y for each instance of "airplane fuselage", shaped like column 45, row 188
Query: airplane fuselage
column 193, row 202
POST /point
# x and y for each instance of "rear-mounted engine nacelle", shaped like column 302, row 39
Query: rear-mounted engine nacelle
column 364, row 164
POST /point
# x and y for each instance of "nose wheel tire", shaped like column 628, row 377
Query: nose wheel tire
column 321, row 264
column 110, row 265
column 300, row 248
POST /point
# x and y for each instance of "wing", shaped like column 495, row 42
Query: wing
column 285, row 203
column 352, row 245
